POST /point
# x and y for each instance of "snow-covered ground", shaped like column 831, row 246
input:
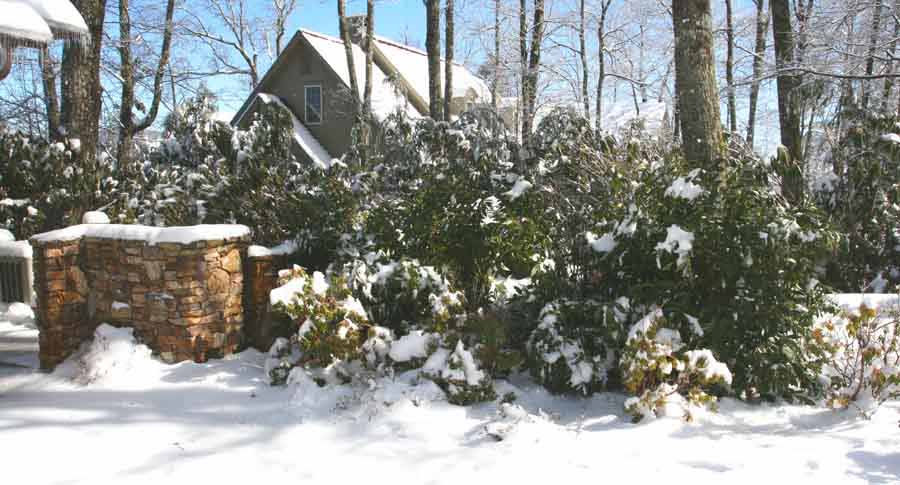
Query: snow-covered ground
column 115, row 415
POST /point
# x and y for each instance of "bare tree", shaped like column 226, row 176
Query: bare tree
column 530, row 84
column 51, row 98
column 370, row 37
column 729, row 66
column 433, row 47
column 873, row 46
column 234, row 38
column 495, row 85
column 892, row 52
column 695, row 81
column 128, row 126
column 344, row 29
column 759, row 53
column 601, row 54
column 788, row 79
column 82, row 91
column 582, row 50
column 448, row 60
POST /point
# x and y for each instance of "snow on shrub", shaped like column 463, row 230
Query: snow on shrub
column 721, row 244
column 864, row 365
column 331, row 324
column 574, row 347
column 458, row 374
column 662, row 376
column 405, row 294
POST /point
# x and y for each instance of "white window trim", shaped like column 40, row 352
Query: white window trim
column 321, row 104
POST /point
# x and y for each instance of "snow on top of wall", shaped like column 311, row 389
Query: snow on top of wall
column 287, row 247
column 152, row 235
column 59, row 15
column 6, row 236
column 385, row 98
column 303, row 136
column 19, row 20
column 412, row 64
column 15, row 249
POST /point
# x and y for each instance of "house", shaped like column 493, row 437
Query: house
column 311, row 79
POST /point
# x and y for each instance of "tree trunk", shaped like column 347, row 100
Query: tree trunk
column 448, row 62
column 534, row 64
column 495, row 87
column 433, row 46
column 601, row 54
column 128, row 128
column 82, row 91
column 889, row 82
column 695, row 82
column 870, row 57
column 51, row 98
column 585, row 74
column 523, row 61
column 344, row 29
column 729, row 67
column 788, row 81
column 370, row 56
column 759, row 54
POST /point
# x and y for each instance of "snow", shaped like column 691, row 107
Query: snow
column 95, row 217
column 603, row 244
column 115, row 415
column 521, row 186
column 385, row 98
column 19, row 20
column 685, row 188
column 283, row 249
column 15, row 249
column 678, row 241
column 285, row 293
column 411, row 346
column 891, row 138
column 617, row 117
column 6, row 236
column 304, row 138
column 60, row 15
column 152, row 235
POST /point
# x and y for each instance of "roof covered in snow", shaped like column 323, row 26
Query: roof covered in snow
column 305, row 140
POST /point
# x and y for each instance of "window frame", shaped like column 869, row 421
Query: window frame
column 306, row 104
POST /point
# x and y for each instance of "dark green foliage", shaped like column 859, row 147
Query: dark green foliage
column 749, row 277
column 861, row 195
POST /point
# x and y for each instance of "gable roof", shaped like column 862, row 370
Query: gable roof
column 410, row 64
column 386, row 97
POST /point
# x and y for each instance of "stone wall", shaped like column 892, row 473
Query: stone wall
column 183, row 298
column 262, row 277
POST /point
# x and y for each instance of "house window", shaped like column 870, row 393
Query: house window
column 313, row 96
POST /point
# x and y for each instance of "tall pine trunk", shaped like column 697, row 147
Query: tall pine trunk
column 344, row 29
column 759, row 54
column 523, row 61
column 695, row 82
column 534, row 64
column 448, row 61
column 788, row 81
column 82, row 91
column 729, row 66
column 889, row 81
column 495, row 86
column 870, row 57
column 433, row 46
column 601, row 54
column 370, row 36
column 51, row 98
column 585, row 73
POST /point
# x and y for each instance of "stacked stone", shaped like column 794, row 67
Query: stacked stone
column 262, row 278
column 62, row 290
column 183, row 300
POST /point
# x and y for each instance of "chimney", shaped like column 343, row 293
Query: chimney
column 357, row 26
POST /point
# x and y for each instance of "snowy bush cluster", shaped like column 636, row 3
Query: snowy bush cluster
column 864, row 365
column 452, row 249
